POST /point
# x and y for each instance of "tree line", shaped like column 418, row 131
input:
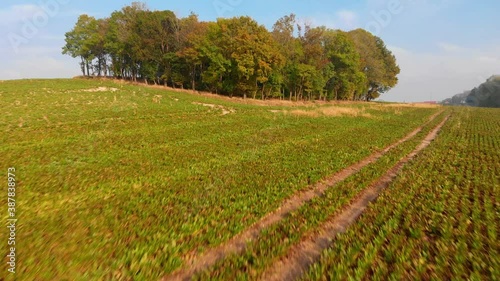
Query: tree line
column 485, row 95
column 233, row 56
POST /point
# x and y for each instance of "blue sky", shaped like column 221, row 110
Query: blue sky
column 442, row 46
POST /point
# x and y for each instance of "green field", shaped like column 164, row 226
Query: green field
column 125, row 182
column 438, row 221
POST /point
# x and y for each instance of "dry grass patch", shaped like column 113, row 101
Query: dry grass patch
column 345, row 111
column 417, row 105
column 330, row 111
column 397, row 108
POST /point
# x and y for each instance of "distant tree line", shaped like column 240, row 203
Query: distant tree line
column 458, row 99
column 485, row 95
column 234, row 56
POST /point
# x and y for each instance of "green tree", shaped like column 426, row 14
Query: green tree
column 290, row 48
column 80, row 42
column 241, row 55
column 192, row 34
column 377, row 62
column 348, row 79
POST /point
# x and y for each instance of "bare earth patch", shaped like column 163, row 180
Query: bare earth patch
column 332, row 111
column 157, row 98
column 100, row 89
column 309, row 250
column 224, row 109
column 91, row 90
column 238, row 243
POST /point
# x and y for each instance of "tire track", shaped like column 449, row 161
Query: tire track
column 309, row 250
column 238, row 243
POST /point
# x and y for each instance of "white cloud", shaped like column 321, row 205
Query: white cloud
column 47, row 66
column 30, row 42
column 489, row 59
column 437, row 76
column 343, row 19
column 450, row 48
column 347, row 18
column 399, row 50
column 9, row 74
column 52, row 37
column 17, row 14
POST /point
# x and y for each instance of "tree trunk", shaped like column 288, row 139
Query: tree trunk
column 82, row 66
column 193, row 78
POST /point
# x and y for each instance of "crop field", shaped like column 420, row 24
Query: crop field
column 125, row 182
column 438, row 221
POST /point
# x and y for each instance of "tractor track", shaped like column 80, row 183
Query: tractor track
column 239, row 242
column 301, row 256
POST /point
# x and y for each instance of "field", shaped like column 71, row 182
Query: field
column 125, row 182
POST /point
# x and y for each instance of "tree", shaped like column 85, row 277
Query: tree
column 80, row 40
column 241, row 55
column 487, row 94
column 348, row 79
column 234, row 56
column 290, row 48
column 192, row 33
column 377, row 62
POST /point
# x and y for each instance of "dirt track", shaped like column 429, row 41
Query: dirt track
column 238, row 243
column 304, row 254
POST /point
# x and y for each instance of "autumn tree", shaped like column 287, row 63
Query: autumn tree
column 290, row 48
column 241, row 56
column 192, row 33
column 233, row 56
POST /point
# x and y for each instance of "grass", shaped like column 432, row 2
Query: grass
column 124, row 184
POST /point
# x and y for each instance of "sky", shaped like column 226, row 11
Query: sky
column 443, row 47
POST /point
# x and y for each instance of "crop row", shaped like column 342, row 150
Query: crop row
column 274, row 242
column 438, row 221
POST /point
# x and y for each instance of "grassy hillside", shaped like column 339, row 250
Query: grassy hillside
column 117, row 181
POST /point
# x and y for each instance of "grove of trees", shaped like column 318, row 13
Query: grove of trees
column 233, row 56
column 487, row 94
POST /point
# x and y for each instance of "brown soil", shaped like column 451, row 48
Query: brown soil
column 238, row 243
column 304, row 254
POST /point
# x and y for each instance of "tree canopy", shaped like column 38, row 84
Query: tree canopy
column 233, row 56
